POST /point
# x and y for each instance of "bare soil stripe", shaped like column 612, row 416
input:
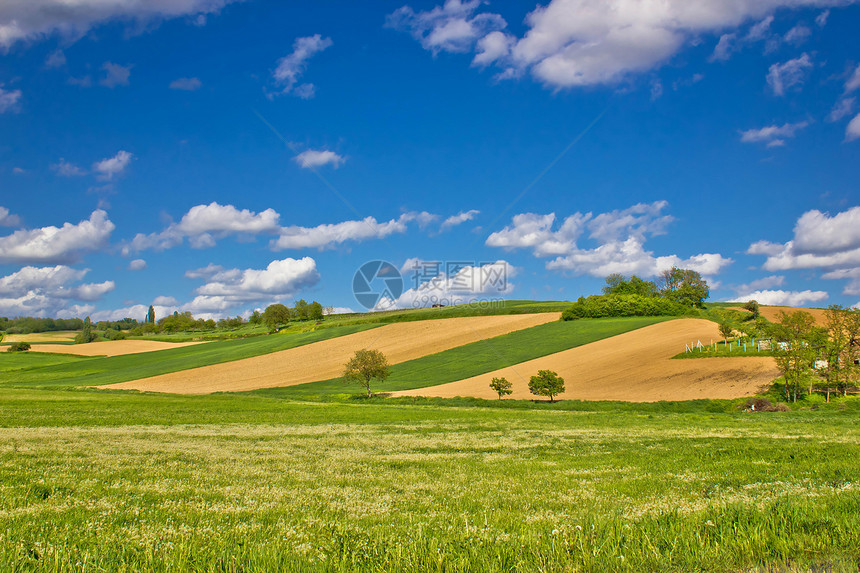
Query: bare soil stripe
column 633, row 367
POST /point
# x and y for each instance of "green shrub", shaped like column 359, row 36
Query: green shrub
column 602, row 306
column 111, row 334
column 19, row 347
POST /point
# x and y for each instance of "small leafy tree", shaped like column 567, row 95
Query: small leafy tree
column 301, row 309
column 276, row 315
column 256, row 317
column 834, row 373
column 86, row 334
column 502, row 387
column 794, row 352
column 366, row 366
column 726, row 330
column 315, row 311
column 619, row 284
column 18, row 347
column 851, row 354
column 546, row 383
column 752, row 306
column 684, row 286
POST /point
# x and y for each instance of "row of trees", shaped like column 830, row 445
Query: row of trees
column 544, row 383
column 677, row 292
column 810, row 357
column 277, row 315
column 29, row 325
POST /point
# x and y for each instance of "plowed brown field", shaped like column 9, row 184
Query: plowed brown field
column 633, row 367
column 109, row 348
column 772, row 313
column 325, row 360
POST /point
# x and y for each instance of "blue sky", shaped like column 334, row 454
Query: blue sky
column 216, row 156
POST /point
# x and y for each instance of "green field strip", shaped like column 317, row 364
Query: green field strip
column 483, row 356
column 111, row 370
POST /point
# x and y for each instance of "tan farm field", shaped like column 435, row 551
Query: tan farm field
column 326, row 359
column 634, row 367
column 110, row 348
column 35, row 337
column 772, row 313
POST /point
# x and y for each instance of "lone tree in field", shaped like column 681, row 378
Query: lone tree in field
column 150, row 316
column 725, row 330
column 546, row 383
column 365, row 366
column 502, row 387
column 752, row 306
column 276, row 315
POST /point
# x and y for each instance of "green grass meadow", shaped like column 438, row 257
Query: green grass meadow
column 319, row 478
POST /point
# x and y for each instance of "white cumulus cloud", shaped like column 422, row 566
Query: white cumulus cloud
column 313, row 158
column 228, row 288
column 321, row 236
column 110, row 167
column 56, row 244
column 619, row 235
column 186, row 84
column 7, row 219
column 570, row 43
column 48, row 291
column 203, row 224
column 782, row 297
column 452, row 27
column 820, row 241
column 115, row 75
column 782, row 77
column 852, row 131
column 458, row 219
column 31, row 20
column 9, row 99
column 290, row 68
column 466, row 284
column 772, row 135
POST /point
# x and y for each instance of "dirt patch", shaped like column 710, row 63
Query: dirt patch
column 109, row 348
column 325, row 360
column 772, row 312
column 634, row 367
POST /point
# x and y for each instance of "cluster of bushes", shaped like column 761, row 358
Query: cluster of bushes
column 681, row 290
column 764, row 405
column 601, row 306
column 18, row 347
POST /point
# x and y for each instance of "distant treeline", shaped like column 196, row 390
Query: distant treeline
column 29, row 324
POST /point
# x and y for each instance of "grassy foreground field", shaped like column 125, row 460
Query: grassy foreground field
column 109, row 482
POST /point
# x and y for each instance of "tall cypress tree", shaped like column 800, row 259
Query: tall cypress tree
column 150, row 316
